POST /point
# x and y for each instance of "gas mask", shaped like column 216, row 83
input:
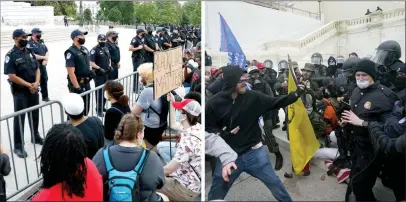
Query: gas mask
column 255, row 80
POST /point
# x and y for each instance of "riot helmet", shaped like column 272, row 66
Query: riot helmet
column 387, row 53
column 268, row 64
column 282, row 65
column 340, row 59
column 350, row 63
column 317, row 59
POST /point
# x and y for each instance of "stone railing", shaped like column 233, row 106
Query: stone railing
column 338, row 27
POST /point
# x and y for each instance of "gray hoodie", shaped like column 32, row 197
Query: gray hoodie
column 217, row 147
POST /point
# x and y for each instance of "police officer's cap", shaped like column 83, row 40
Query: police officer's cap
column 36, row 31
column 140, row 31
column 101, row 37
column 76, row 33
column 20, row 32
column 402, row 68
column 111, row 33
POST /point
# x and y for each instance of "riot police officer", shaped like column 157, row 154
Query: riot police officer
column 37, row 45
column 100, row 61
column 387, row 59
column 370, row 101
column 138, row 54
column 114, row 50
column 166, row 40
column 281, row 85
column 78, row 67
column 159, row 38
column 23, row 73
column 150, row 45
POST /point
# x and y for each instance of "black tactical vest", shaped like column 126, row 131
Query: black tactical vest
column 82, row 61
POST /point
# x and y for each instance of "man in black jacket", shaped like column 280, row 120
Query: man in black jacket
column 233, row 113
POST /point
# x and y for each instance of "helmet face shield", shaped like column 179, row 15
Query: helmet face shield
column 340, row 60
column 282, row 66
column 268, row 64
column 383, row 57
column 316, row 60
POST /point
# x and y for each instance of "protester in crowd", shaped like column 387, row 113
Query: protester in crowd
column 114, row 93
column 150, row 110
column 91, row 127
column 68, row 175
column 125, row 156
column 183, row 181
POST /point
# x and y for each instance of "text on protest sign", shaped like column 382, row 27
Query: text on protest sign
column 168, row 71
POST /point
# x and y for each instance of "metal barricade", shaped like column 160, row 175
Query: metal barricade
column 27, row 167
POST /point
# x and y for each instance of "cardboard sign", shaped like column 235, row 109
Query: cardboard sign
column 168, row 71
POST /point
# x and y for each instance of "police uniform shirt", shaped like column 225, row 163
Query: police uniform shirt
column 70, row 61
column 159, row 40
column 150, row 42
column 100, row 56
column 174, row 44
column 22, row 63
column 114, row 51
column 135, row 42
column 38, row 48
column 166, row 39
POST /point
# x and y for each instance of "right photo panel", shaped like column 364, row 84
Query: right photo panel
column 305, row 100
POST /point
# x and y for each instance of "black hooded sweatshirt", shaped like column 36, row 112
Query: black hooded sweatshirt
column 222, row 111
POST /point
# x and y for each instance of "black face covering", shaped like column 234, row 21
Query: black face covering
column 81, row 41
column 39, row 37
column 150, row 33
column 102, row 44
column 22, row 43
column 400, row 82
column 114, row 38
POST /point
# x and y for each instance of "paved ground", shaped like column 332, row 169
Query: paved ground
column 57, row 89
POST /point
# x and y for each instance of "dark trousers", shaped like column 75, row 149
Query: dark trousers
column 136, row 63
column 269, row 137
column 114, row 74
column 44, row 81
column 66, row 23
column 100, row 100
column 24, row 100
column 86, row 98
column 364, row 182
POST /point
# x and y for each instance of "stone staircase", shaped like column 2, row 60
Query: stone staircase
column 50, row 34
column 336, row 34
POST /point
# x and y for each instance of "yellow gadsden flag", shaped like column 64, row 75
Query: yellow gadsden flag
column 303, row 142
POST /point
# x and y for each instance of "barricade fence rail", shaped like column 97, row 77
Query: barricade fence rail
column 25, row 177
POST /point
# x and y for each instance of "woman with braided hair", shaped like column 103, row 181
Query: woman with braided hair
column 68, row 174
column 124, row 157
column 114, row 93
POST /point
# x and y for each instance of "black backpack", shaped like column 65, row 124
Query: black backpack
column 163, row 116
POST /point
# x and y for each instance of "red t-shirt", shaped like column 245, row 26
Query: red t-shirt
column 93, row 188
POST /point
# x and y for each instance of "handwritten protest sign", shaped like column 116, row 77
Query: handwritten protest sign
column 168, row 71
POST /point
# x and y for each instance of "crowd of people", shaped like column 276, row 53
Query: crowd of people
column 355, row 105
column 149, row 150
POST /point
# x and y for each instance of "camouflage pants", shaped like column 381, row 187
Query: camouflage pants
column 268, row 138
column 318, row 123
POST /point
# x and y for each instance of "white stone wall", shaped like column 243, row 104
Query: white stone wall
column 20, row 13
column 253, row 25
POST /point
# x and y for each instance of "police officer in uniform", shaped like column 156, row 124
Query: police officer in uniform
column 37, row 45
column 150, row 45
column 175, row 39
column 166, row 41
column 112, row 46
column 281, row 85
column 370, row 101
column 159, row 38
column 138, row 54
column 78, row 67
column 23, row 73
column 100, row 61
column 387, row 59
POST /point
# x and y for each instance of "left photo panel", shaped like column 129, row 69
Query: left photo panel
column 101, row 101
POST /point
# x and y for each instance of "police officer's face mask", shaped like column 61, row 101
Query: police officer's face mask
column 81, row 41
column 400, row 82
column 39, row 36
column 102, row 43
column 114, row 38
column 22, row 43
column 150, row 33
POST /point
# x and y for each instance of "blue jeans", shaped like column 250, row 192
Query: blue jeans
column 164, row 150
column 256, row 163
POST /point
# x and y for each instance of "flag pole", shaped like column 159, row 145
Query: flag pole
column 292, row 71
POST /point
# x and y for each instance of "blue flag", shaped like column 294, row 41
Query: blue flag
column 230, row 44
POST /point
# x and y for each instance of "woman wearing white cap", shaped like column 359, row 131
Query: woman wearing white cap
column 183, row 182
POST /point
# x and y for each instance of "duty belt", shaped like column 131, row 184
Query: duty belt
column 83, row 80
column 114, row 63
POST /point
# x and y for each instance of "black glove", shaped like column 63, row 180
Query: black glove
column 379, row 142
column 79, row 90
column 110, row 69
column 100, row 72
